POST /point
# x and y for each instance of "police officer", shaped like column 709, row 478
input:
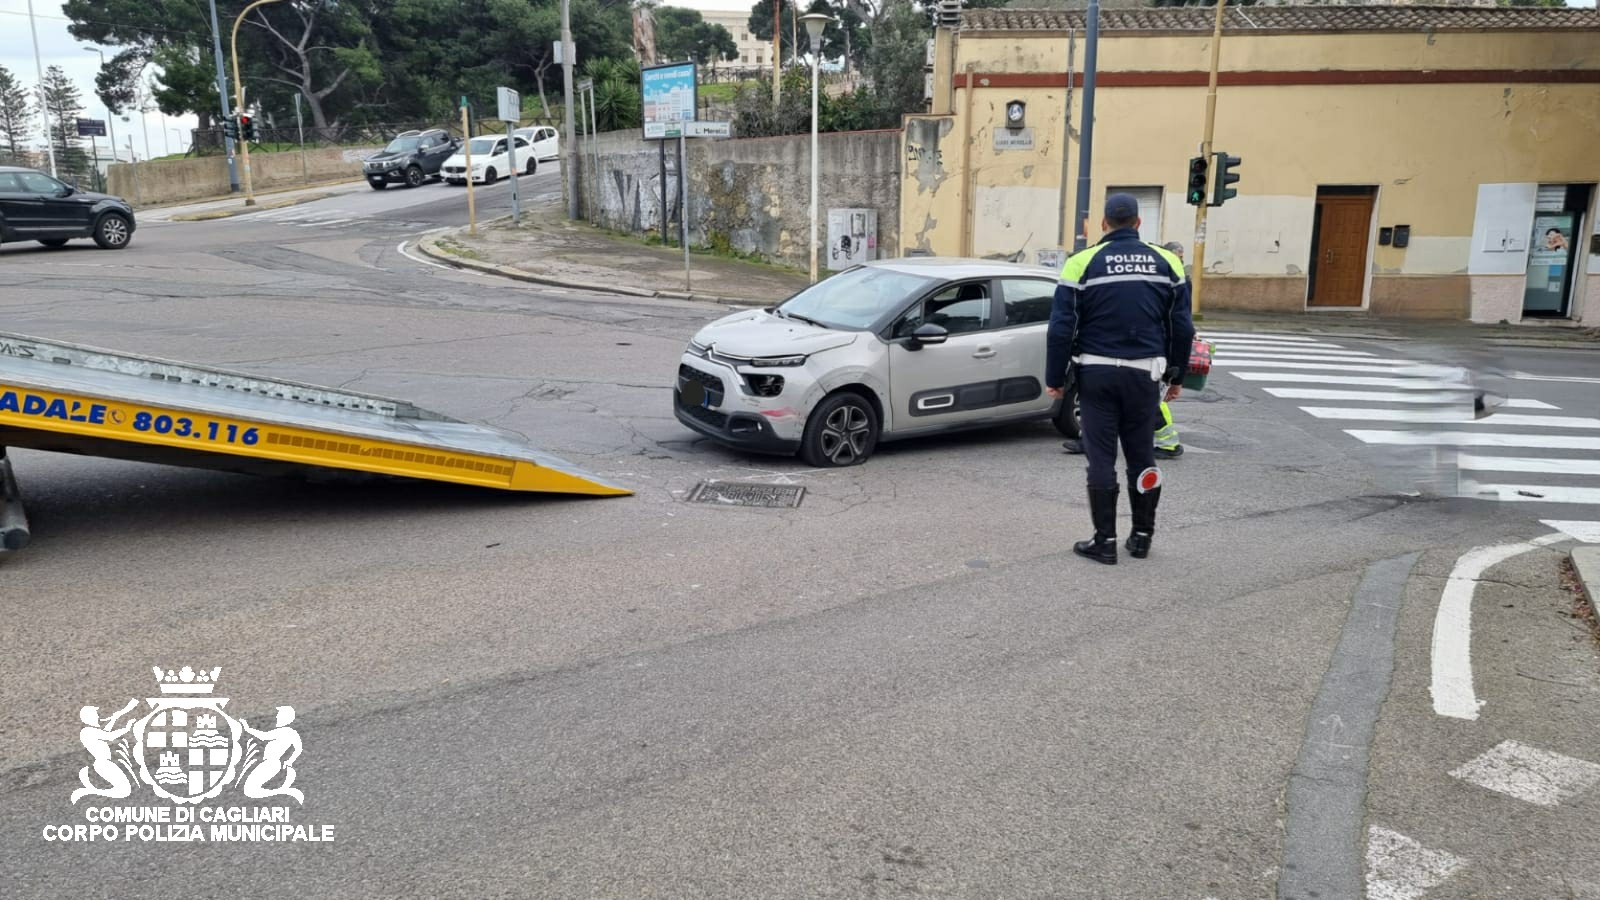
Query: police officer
column 1121, row 321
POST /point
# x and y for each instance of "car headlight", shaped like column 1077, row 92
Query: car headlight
column 762, row 362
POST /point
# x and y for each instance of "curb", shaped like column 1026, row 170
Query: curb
column 429, row 247
column 230, row 212
column 1586, row 561
column 195, row 201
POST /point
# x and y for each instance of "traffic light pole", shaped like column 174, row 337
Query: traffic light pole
column 238, row 104
column 1197, row 268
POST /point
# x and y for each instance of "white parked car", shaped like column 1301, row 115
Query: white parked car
column 887, row 350
column 545, row 140
column 491, row 160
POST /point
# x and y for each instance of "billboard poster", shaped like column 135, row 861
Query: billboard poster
column 669, row 99
column 1552, row 239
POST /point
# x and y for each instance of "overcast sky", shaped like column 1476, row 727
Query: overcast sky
column 57, row 47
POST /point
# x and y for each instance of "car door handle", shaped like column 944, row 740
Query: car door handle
column 983, row 353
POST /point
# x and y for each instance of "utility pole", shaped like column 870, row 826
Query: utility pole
column 1066, row 141
column 222, row 98
column 1198, row 269
column 568, row 51
column 1080, row 217
column 44, row 108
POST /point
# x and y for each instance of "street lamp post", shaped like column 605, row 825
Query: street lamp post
column 815, row 24
column 44, row 108
column 238, row 97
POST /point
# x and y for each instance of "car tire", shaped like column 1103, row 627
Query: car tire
column 532, row 167
column 842, row 431
column 113, row 231
column 53, row 243
column 414, row 177
column 378, row 185
column 1066, row 416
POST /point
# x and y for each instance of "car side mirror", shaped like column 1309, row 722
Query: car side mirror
column 927, row 334
column 67, row 190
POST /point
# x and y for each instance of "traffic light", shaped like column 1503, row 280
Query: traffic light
column 1197, row 181
column 1223, row 175
column 230, row 129
column 247, row 129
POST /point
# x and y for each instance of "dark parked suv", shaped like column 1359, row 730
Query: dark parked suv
column 410, row 158
column 36, row 207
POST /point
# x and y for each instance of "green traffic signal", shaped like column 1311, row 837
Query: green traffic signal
column 1197, row 181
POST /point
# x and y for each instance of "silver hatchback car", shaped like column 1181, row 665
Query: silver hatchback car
column 891, row 349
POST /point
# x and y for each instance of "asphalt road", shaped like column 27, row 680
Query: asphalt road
column 908, row 685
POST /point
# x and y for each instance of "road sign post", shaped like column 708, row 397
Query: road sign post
column 510, row 112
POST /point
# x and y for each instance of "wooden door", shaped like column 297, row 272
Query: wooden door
column 1344, row 227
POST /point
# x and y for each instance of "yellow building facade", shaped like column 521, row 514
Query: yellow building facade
column 1407, row 161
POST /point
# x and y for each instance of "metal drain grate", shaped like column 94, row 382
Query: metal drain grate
column 737, row 493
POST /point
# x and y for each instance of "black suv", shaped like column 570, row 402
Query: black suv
column 410, row 158
column 36, row 207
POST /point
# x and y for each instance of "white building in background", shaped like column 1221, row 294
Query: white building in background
column 754, row 53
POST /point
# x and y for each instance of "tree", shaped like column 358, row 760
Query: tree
column 685, row 34
column 894, row 62
column 63, row 103
column 761, row 25
column 16, row 110
column 187, row 83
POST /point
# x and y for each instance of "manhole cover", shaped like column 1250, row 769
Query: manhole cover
column 735, row 493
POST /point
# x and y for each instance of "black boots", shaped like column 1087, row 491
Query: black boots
column 1103, row 511
column 1144, row 518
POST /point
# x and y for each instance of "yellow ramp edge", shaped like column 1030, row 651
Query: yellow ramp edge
column 34, row 415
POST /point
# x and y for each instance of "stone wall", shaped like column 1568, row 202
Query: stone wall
column 751, row 194
column 170, row 180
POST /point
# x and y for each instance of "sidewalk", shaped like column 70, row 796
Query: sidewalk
column 233, row 204
column 547, row 248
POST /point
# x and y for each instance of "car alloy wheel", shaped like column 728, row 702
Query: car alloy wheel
column 532, row 167
column 112, row 232
column 414, row 177
column 842, row 431
column 490, row 176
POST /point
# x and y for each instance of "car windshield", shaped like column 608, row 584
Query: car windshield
column 483, row 146
column 402, row 145
column 856, row 298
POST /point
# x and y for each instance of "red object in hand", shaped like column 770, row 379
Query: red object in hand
column 1199, row 365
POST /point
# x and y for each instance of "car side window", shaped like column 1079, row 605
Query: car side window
column 1028, row 300
column 33, row 182
column 959, row 309
column 9, row 184
column 521, row 142
column 499, row 147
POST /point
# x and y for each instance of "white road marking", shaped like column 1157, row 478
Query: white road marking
column 1399, row 868
column 1275, row 345
column 1554, row 466
column 1352, row 356
column 1530, row 774
column 1571, row 379
column 1453, row 694
column 400, row 248
column 1530, row 493
column 1259, row 336
column 1451, row 417
column 1585, row 532
column 1473, row 439
column 1373, row 367
column 1356, row 380
column 1462, row 395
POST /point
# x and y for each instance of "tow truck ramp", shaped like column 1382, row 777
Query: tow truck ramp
column 75, row 399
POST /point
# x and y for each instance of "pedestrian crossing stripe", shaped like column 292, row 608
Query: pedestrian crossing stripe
column 1418, row 398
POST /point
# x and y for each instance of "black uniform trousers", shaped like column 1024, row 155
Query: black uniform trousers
column 1117, row 403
